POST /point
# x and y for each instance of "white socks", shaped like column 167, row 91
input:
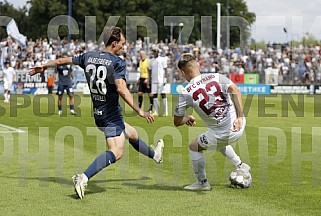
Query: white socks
column 155, row 104
column 165, row 105
column 164, row 100
column 84, row 177
column 230, row 154
column 199, row 164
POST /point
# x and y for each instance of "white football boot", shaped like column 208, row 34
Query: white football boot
column 158, row 157
column 199, row 185
column 72, row 112
column 244, row 167
column 80, row 184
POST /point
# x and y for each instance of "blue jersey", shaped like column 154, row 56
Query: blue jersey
column 64, row 75
column 101, row 69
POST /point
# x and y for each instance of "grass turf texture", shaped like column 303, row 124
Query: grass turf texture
column 36, row 170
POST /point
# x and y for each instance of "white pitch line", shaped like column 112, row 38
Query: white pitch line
column 11, row 128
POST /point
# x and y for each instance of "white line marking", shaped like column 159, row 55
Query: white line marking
column 13, row 130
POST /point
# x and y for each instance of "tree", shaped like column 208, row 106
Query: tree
column 42, row 11
column 19, row 15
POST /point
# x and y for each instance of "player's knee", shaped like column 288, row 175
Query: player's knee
column 163, row 95
column 118, row 153
column 191, row 147
column 194, row 146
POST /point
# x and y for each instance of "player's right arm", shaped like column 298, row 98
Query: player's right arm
column 180, row 117
column 181, row 120
column 54, row 63
column 237, row 100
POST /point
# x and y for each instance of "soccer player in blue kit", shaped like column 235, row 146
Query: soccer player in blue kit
column 106, row 76
column 65, row 79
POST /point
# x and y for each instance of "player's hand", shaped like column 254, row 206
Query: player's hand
column 37, row 69
column 147, row 115
column 237, row 124
column 146, row 81
column 191, row 122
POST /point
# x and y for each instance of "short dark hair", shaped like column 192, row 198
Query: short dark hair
column 111, row 34
column 184, row 59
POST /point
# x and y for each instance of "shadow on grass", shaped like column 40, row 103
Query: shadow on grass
column 164, row 187
column 93, row 185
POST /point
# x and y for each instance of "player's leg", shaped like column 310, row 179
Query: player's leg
column 140, row 93
column 164, row 99
column 8, row 94
column 231, row 155
column 151, row 101
column 6, row 88
column 70, row 92
column 199, row 164
column 140, row 99
column 228, row 150
column 165, row 105
column 140, row 146
column 115, row 152
column 60, row 92
column 154, row 91
column 151, row 97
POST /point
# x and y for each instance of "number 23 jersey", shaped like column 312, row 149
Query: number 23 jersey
column 207, row 94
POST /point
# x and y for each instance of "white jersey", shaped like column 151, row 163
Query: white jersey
column 157, row 66
column 8, row 74
column 208, row 95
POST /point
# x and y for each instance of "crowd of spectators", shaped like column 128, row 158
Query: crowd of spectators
column 295, row 65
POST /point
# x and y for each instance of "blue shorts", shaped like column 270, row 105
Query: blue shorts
column 113, row 129
column 61, row 89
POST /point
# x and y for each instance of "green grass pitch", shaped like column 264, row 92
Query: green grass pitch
column 282, row 143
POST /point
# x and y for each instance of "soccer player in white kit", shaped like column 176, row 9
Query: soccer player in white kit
column 158, row 66
column 209, row 96
column 9, row 76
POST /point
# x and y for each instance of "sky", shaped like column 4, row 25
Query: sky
column 297, row 16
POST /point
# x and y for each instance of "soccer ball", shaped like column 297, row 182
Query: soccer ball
column 240, row 179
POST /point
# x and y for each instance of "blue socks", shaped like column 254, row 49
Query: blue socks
column 102, row 161
column 142, row 147
column 107, row 158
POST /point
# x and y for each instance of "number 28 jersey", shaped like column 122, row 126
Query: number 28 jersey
column 101, row 69
column 207, row 94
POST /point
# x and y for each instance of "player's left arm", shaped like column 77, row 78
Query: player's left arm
column 127, row 97
column 54, row 63
column 237, row 100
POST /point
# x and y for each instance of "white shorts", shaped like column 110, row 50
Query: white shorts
column 7, row 86
column 219, row 137
column 158, row 88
